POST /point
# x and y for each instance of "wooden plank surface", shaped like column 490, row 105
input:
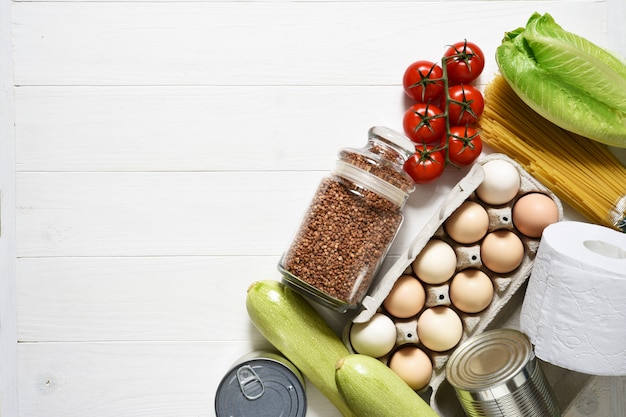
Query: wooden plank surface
column 196, row 128
column 8, row 322
column 127, row 380
column 183, row 298
column 157, row 214
column 165, row 214
column 259, row 43
column 164, row 153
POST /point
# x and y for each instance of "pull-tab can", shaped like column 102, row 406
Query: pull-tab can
column 496, row 374
column 261, row 384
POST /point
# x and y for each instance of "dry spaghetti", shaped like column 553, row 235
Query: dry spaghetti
column 581, row 172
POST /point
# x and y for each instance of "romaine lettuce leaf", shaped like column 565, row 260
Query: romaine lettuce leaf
column 566, row 79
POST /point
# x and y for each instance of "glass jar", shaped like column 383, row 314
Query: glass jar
column 351, row 222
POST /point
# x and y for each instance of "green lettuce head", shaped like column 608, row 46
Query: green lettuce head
column 567, row 79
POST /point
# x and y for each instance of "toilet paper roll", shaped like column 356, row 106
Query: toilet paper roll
column 574, row 310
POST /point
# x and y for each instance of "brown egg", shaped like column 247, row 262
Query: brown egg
column 468, row 223
column 412, row 365
column 502, row 251
column 534, row 212
column 406, row 298
column 471, row 290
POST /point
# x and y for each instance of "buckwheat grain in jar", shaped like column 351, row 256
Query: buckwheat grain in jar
column 351, row 222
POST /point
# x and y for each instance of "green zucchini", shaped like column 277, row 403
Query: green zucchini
column 300, row 333
column 372, row 389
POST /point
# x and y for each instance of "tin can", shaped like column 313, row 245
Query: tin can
column 496, row 374
column 261, row 384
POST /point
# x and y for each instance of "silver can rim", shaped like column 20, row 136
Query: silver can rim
column 491, row 364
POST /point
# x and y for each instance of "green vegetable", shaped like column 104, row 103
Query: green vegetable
column 300, row 333
column 567, row 79
column 372, row 389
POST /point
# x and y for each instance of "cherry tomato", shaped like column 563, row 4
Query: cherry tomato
column 464, row 145
column 424, row 123
column 423, row 81
column 464, row 62
column 426, row 164
column 466, row 104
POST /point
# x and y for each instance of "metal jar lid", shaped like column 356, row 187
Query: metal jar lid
column 491, row 365
column 261, row 384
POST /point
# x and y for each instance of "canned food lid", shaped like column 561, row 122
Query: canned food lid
column 496, row 359
column 261, row 387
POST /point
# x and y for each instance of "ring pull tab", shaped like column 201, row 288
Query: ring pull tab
column 249, row 382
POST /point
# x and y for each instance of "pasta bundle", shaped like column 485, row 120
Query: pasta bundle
column 581, row 172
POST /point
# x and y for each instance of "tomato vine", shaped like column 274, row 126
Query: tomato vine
column 442, row 122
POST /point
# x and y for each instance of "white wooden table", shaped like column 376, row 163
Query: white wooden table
column 155, row 158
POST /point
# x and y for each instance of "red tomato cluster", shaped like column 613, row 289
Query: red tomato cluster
column 442, row 121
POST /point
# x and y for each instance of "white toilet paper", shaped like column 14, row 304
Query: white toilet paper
column 574, row 310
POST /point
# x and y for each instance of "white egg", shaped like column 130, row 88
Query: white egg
column 375, row 337
column 501, row 183
column 436, row 263
column 439, row 328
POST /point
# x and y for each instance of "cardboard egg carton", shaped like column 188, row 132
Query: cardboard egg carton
column 468, row 256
